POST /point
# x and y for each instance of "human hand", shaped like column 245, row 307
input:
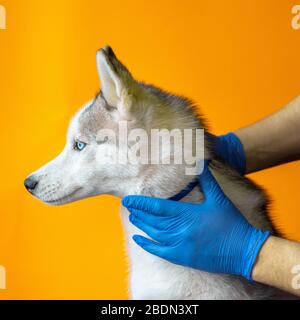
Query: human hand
column 212, row 236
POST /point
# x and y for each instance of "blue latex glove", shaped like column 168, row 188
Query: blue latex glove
column 212, row 236
column 230, row 148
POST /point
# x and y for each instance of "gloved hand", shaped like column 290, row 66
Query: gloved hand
column 230, row 148
column 212, row 236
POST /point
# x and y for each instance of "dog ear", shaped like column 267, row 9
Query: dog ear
column 116, row 80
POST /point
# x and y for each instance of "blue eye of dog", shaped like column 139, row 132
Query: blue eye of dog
column 79, row 145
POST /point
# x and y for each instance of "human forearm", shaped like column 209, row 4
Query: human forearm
column 277, row 265
column 213, row 236
column 273, row 140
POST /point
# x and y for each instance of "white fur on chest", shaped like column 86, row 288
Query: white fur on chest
column 154, row 278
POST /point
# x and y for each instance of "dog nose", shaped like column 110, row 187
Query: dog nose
column 30, row 183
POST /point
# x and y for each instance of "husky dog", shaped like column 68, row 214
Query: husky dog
column 78, row 172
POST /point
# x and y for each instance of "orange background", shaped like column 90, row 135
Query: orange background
column 238, row 59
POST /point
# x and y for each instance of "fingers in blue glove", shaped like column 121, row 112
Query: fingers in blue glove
column 152, row 205
column 155, row 231
column 151, row 246
column 147, row 218
column 149, row 230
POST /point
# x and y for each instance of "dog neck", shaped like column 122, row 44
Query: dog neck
column 166, row 182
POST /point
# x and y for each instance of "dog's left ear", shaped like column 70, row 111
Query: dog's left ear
column 116, row 80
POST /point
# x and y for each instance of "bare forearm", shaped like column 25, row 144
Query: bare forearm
column 273, row 140
column 278, row 265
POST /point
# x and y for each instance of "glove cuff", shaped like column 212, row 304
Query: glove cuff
column 230, row 148
column 256, row 241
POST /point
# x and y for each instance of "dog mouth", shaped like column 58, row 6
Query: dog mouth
column 64, row 199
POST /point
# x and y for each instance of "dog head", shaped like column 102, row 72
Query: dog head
column 89, row 164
